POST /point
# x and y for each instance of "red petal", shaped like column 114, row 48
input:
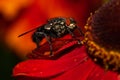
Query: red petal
column 48, row 68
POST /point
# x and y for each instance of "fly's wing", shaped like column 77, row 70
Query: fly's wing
column 29, row 31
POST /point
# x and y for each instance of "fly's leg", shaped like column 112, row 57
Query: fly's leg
column 71, row 27
column 49, row 41
column 72, row 34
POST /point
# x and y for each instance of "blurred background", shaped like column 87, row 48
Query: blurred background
column 19, row 16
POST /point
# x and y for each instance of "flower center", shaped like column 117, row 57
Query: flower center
column 109, row 59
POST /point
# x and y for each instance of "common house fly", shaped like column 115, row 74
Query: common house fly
column 54, row 28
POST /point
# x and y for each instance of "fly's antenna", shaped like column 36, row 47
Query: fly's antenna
column 28, row 31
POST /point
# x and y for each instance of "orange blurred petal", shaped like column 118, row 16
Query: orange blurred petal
column 10, row 8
